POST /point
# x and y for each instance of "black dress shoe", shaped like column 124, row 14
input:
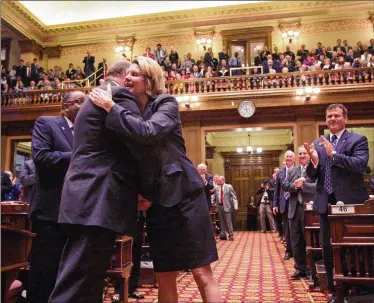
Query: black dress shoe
column 231, row 238
column 135, row 295
column 223, row 238
column 287, row 256
column 298, row 274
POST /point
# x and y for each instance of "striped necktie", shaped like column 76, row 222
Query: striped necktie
column 328, row 181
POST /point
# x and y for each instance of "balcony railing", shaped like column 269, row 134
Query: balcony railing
column 321, row 78
column 38, row 97
column 212, row 86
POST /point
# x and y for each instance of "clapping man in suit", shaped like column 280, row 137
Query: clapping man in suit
column 208, row 182
column 226, row 203
column 302, row 189
column 281, row 200
column 52, row 143
column 89, row 65
column 338, row 162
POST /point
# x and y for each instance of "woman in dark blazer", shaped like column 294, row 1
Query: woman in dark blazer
column 179, row 225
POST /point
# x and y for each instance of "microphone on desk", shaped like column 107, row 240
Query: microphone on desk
column 340, row 203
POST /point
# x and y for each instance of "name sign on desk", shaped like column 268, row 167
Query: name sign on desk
column 342, row 209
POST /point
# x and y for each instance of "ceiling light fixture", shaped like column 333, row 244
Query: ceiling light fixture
column 308, row 92
column 189, row 101
column 249, row 149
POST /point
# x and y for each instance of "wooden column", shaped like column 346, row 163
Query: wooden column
column 306, row 129
column 192, row 135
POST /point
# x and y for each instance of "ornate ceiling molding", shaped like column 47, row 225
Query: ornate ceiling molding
column 65, row 34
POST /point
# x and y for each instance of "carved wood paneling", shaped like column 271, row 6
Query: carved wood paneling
column 53, row 51
column 27, row 46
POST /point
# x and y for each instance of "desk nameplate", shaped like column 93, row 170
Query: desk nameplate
column 342, row 209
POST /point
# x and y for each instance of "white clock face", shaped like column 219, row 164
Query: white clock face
column 246, row 109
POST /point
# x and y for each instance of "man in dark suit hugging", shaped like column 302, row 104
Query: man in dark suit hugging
column 99, row 198
column 302, row 189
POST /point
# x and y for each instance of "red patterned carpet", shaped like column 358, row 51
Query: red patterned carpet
column 250, row 269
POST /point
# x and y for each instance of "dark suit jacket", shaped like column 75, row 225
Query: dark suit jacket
column 100, row 73
column 6, row 185
column 279, row 200
column 349, row 164
column 34, row 72
column 51, row 145
column 307, row 192
column 21, row 71
column 208, row 187
column 101, row 184
column 174, row 176
column 89, row 65
column 70, row 73
column 28, row 180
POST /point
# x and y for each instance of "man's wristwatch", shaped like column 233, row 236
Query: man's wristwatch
column 333, row 154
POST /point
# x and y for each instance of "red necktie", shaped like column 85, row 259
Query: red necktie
column 28, row 72
column 221, row 196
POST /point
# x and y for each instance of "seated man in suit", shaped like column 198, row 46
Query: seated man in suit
column 338, row 162
column 227, row 203
column 302, row 189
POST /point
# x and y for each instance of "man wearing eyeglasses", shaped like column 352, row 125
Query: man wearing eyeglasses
column 52, row 143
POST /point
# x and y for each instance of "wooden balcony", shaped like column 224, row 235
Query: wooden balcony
column 267, row 90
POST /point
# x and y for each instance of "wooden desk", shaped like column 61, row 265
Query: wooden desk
column 313, row 242
column 15, row 245
column 352, row 239
column 15, row 215
column 121, row 264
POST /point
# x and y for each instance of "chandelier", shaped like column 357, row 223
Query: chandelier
column 204, row 37
column 124, row 45
column 308, row 92
column 249, row 149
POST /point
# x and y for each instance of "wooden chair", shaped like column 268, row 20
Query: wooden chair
column 15, row 245
column 122, row 264
column 352, row 238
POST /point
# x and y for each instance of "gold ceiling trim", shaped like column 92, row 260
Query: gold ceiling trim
column 244, row 10
column 100, row 30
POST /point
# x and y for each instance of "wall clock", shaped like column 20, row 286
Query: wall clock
column 246, row 109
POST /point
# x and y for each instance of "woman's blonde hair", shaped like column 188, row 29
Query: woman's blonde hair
column 153, row 75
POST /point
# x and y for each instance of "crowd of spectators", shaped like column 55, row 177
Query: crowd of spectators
column 26, row 77
column 29, row 77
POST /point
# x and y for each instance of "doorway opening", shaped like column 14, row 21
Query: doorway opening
column 246, row 156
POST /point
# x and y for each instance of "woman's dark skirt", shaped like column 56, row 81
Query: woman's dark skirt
column 181, row 237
